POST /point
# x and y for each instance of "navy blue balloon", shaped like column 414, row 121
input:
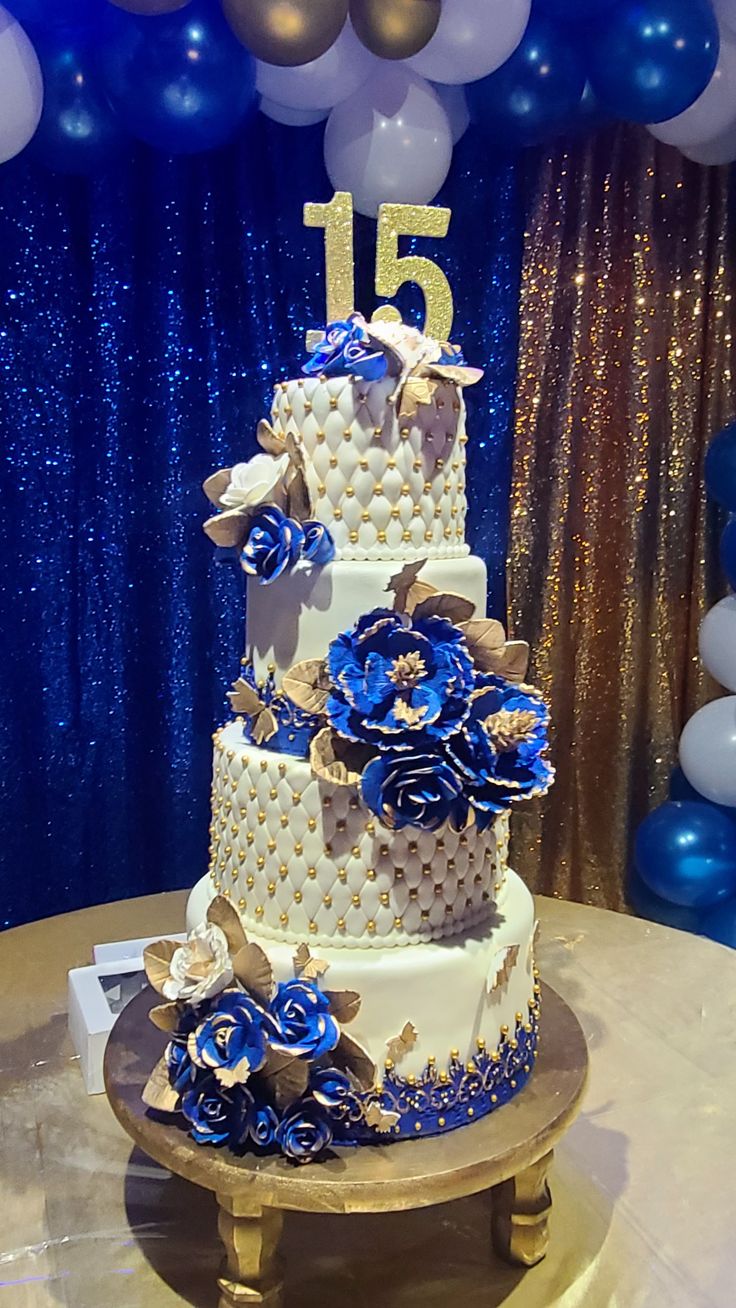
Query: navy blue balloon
column 79, row 131
column 648, row 60
column 720, row 468
column 728, row 552
column 686, row 852
column 655, row 909
column 720, row 923
column 532, row 96
column 577, row 11
column 182, row 81
column 48, row 14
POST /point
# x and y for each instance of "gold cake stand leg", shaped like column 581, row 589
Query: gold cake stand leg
column 251, row 1274
column 521, row 1208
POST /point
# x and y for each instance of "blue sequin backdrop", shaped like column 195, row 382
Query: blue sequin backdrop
column 144, row 318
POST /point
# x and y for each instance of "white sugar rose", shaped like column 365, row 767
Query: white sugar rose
column 200, row 968
column 254, row 482
column 413, row 347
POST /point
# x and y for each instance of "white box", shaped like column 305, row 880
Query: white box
column 126, row 949
column 96, row 995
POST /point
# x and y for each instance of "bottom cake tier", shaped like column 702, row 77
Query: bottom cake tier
column 451, row 1024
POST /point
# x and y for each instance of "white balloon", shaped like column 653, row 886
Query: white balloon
column 390, row 141
column 713, row 112
column 454, row 101
column 473, row 38
column 21, row 88
column 281, row 113
column 721, row 150
column 322, row 83
column 717, row 640
column 708, row 750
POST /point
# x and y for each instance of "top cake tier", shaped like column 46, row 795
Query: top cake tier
column 387, row 484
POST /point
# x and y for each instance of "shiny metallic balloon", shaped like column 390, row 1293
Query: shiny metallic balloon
column 395, row 29
column 286, row 32
column 150, row 7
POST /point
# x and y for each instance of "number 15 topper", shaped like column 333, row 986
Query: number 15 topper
column 394, row 220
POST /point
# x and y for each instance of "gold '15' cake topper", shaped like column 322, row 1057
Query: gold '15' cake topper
column 394, row 220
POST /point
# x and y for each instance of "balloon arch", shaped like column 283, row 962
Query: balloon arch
column 396, row 80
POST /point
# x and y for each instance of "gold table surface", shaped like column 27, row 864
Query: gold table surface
column 643, row 1183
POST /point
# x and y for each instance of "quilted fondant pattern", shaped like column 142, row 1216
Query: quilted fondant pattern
column 387, row 488
column 303, row 859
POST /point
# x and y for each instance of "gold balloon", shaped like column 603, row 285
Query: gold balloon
column 395, row 29
column 286, row 32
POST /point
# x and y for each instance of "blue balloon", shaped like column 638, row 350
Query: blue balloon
column 728, row 552
column 532, row 96
column 79, row 131
column 47, row 14
column 720, row 468
column 182, row 81
column 686, row 853
column 650, row 906
column 648, row 60
column 720, row 923
column 681, row 788
column 577, row 11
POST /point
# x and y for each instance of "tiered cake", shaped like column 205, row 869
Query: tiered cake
column 360, row 795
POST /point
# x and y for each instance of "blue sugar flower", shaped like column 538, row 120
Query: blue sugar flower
column 319, row 547
column 305, row 1025
column 499, row 750
column 397, row 682
column 262, row 1124
column 451, row 355
column 231, row 1041
column 304, row 1133
column 273, row 546
column 331, row 1088
column 414, row 790
column 345, row 349
column 217, row 1116
column 181, row 1069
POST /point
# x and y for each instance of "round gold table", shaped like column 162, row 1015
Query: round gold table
column 509, row 1153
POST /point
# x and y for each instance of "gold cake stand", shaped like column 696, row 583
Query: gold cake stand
column 509, row 1152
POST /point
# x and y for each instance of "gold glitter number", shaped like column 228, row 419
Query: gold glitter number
column 337, row 220
column 395, row 220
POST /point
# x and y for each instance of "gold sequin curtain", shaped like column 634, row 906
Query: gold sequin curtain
column 627, row 320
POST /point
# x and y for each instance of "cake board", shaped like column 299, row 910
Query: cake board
column 509, row 1153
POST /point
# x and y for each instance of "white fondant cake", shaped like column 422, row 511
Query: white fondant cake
column 361, row 796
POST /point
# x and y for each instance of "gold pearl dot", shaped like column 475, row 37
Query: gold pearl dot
column 347, row 434
column 398, row 923
column 337, row 514
column 333, row 401
column 406, row 535
column 395, row 514
column 356, row 900
column 384, row 898
column 327, row 901
column 333, row 460
column 282, row 769
column 378, row 431
column 283, row 820
column 298, row 849
column 417, row 1126
column 284, row 919
column 354, row 537
column 321, row 490
column 296, row 797
column 271, row 887
column 312, row 873
column 382, row 537
column 264, row 765
column 370, row 924
column 252, row 792
column 241, row 903
column 312, row 824
column 297, row 896
column 365, row 516
column 250, row 881
column 341, row 924
column 342, row 874
column 259, row 911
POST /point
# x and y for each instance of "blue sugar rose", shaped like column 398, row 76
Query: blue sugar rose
column 216, row 1115
column 305, row 1026
column 262, row 1125
column 231, row 1041
column 345, row 349
column 414, row 790
column 304, row 1133
column 500, row 749
column 181, row 1069
column 319, row 547
column 397, row 682
column 331, row 1089
column 274, row 544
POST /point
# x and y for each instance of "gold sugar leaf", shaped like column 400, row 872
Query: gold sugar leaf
column 337, row 760
column 460, row 374
column 157, row 962
column 379, row 1118
column 501, row 967
column 228, row 529
column 416, row 391
column 344, row 1005
column 294, row 448
column 253, row 970
column 165, row 1016
column 401, row 581
column 298, row 499
column 263, row 726
column 514, row 660
column 269, row 440
column 455, row 608
column 286, row 1077
column 486, row 642
column 307, row 685
column 306, row 966
column 244, row 698
column 353, row 1058
column 157, row 1093
column 216, row 485
column 402, row 1043
column 222, row 913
